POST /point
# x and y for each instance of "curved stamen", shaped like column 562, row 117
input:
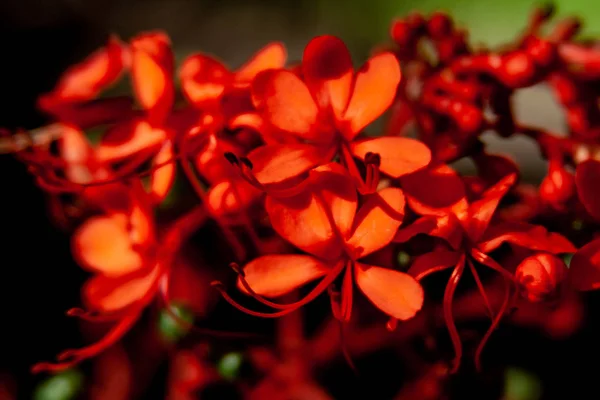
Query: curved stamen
column 68, row 358
column 321, row 287
column 489, row 262
column 481, row 289
column 495, row 322
column 92, row 316
column 190, row 326
column 448, row 297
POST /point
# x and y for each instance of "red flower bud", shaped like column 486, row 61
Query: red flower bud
column 558, row 186
column 540, row 275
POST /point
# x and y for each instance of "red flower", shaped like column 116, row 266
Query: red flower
column 128, row 261
column 469, row 236
column 116, row 248
column 321, row 114
column 224, row 102
column 324, row 221
column 539, row 276
column 134, row 137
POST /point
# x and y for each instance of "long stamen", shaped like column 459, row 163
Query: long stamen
column 92, row 316
column 68, row 358
column 321, row 287
column 495, row 322
column 347, row 293
column 345, row 351
column 448, row 297
column 489, row 262
column 481, row 289
column 238, row 248
column 255, row 295
column 166, row 299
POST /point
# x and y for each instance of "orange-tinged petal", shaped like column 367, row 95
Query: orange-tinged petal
column 152, row 70
column 163, row 175
column 111, row 294
column 374, row 91
column 230, row 197
column 276, row 274
column 584, row 269
column 286, row 103
column 272, row 56
column 328, row 72
column 482, row 211
column 399, row 156
column 84, row 81
column 203, row 79
column 333, row 184
column 534, row 237
column 211, row 161
column 449, row 194
column 127, row 139
column 103, row 244
column 77, row 153
column 395, row 293
column 377, row 221
column 587, row 176
column 277, row 163
column 304, row 221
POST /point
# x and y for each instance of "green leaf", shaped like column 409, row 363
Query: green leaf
column 63, row 386
column 521, row 385
column 229, row 365
column 170, row 328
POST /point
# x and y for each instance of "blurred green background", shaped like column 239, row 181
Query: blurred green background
column 234, row 29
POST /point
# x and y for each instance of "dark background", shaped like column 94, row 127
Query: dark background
column 39, row 38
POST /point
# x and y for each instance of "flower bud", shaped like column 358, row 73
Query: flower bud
column 540, row 275
column 558, row 186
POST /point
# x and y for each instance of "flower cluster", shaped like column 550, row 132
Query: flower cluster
column 278, row 157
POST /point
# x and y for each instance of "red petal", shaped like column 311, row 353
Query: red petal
column 95, row 112
column 374, row 91
column 107, row 294
column 223, row 200
column 286, row 103
column 332, row 183
column 327, row 70
column 306, row 220
column 449, row 195
column 272, row 56
column 377, row 221
column 399, row 156
column 127, row 139
column 276, row 274
column 432, row 262
column 587, row 177
column 203, row 79
column 481, row 211
column 152, row 70
column 530, row 236
column 395, row 293
column 163, row 175
column 84, row 81
column 584, row 270
column 77, row 153
column 277, row 163
column 446, row 227
column 211, row 161
column 103, row 244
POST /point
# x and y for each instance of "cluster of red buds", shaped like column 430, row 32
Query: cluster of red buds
column 277, row 157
